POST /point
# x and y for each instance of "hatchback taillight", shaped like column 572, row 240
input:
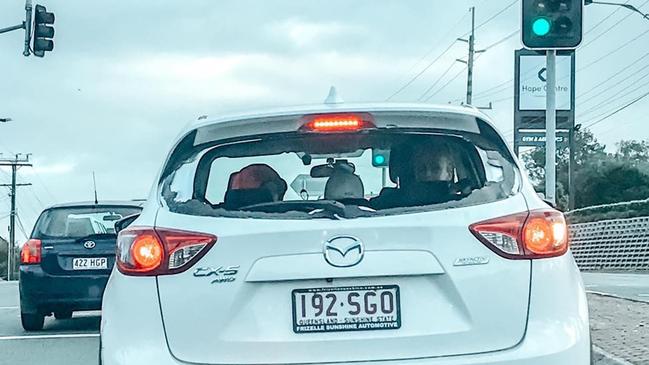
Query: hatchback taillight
column 159, row 251
column 31, row 253
column 529, row 235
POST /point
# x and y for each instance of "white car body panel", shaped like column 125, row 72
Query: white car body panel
column 499, row 312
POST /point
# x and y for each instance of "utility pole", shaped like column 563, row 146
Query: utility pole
column 18, row 161
column 470, row 59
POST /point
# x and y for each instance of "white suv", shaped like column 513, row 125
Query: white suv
column 392, row 233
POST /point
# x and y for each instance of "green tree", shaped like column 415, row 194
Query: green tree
column 600, row 178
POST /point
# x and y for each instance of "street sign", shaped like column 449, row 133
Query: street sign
column 530, row 79
column 532, row 82
column 536, row 138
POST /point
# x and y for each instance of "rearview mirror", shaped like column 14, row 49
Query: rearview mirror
column 111, row 217
column 121, row 224
column 321, row 171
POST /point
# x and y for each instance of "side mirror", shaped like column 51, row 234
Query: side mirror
column 121, row 224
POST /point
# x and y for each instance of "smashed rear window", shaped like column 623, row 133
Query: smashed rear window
column 341, row 175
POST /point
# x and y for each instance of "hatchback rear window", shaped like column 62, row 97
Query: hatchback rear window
column 339, row 175
column 78, row 222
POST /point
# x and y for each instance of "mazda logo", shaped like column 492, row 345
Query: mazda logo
column 343, row 251
column 89, row 244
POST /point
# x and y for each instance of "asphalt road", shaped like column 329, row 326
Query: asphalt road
column 70, row 342
column 629, row 286
column 75, row 341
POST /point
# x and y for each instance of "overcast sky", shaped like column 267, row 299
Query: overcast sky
column 126, row 76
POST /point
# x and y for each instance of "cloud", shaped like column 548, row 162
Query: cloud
column 311, row 34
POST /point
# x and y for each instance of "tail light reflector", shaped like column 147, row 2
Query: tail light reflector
column 159, row 251
column 345, row 122
column 533, row 235
column 31, row 253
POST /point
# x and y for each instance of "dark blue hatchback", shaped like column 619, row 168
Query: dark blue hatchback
column 66, row 263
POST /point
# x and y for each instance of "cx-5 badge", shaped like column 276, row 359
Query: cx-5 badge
column 343, row 251
column 222, row 274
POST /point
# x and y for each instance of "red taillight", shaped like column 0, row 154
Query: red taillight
column 533, row 235
column 347, row 122
column 31, row 252
column 148, row 251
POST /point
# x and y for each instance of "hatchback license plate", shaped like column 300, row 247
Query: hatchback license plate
column 90, row 263
column 358, row 308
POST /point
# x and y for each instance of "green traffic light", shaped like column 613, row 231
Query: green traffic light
column 379, row 160
column 541, row 27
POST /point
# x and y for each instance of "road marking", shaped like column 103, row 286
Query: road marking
column 610, row 356
column 45, row 337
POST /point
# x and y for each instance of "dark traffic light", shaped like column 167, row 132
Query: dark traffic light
column 552, row 24
column 43, row 33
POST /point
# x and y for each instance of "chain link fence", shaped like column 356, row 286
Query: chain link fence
column 611, row 245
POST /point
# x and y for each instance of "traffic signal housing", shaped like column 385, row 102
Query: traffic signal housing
column 43, row 32
column 552, row 24
column 380, row 158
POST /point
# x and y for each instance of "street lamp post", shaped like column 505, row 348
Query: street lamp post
column 628, row 6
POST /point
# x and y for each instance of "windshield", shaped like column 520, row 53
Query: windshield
column 80, row 222
column 339, row 176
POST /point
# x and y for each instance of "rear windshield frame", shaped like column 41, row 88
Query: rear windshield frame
column 38, row 234
column 487, row 140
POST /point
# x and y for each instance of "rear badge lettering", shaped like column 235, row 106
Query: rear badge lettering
column 222, row 274
column 469, row 261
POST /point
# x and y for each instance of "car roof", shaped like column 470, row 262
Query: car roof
column 339, row 107
column 127, row 203
column 248, row 123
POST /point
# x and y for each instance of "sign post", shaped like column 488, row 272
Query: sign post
column 550, row 128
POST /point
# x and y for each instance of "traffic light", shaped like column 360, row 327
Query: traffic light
column 552, row 24
column 380, row 158
column 43, row 33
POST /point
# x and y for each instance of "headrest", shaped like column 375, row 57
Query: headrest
column 344, row 185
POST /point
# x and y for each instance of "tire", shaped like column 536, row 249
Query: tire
column 32, row 322
column 63, row 314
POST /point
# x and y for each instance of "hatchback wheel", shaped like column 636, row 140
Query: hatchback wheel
column 63, row 314
column 32, row 322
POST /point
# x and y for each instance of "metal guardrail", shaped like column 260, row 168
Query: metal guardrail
column 616, row 244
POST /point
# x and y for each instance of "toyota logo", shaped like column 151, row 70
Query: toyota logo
column 343, row 251
column 89, row 244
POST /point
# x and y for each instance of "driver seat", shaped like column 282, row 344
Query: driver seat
column 345, row 187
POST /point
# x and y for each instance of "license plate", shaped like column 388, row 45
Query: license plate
column 358, row 308
column 90, row 263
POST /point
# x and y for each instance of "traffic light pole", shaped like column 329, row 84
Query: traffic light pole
column 550, row 127
column 28, row 27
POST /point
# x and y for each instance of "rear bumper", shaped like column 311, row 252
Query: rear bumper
column 557, row 331
column 41, row 292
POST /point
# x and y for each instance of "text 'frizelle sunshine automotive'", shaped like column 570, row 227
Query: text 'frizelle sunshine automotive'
column 392, row 233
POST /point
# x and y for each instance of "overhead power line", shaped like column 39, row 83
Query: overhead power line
column 434, row 84
column 618, row 110
column 421, row 72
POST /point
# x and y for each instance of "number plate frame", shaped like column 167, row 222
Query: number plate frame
column 104, row 265
column 323, row 328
